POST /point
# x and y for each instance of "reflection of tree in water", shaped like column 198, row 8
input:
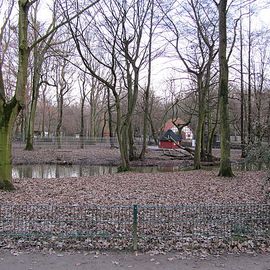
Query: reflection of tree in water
column 80, row 171
column 57, row 174
column 60, row 171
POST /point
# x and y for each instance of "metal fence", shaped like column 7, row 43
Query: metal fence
column 137, row 224
column 75, row 142
column 67, row 141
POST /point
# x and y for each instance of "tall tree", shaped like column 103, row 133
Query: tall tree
column 201, row 52
column 120, row 48
column 148, row 85
column 83, row 94
column 225, row 163
column 242, row 98
column 10, row 107
column 63, row 85
column 39, row 53
column 249, row 120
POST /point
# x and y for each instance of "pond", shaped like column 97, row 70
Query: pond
column 65, row 171
column 62, row 171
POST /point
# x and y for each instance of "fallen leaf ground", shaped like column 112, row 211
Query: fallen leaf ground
column 203, row 186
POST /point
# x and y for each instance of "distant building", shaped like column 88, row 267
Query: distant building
column 186, row 134
column 169, row 140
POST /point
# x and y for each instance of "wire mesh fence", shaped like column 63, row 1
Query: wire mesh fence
column 204, row 221
column 65, row 221
column 68, row 141
column 78, row 142
column 136, row 224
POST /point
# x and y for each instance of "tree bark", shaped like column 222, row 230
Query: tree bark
column 147, row 90
column 199, row 129
column 225, row 164
column 83, row 97
column 59, row 120
column 242, row 99
column 82, row 133
column 212, row 134
column 10, row 110
column 39, row 52
column 5, row 152
column 34, row 99
column 110, row 119
column 249, row 84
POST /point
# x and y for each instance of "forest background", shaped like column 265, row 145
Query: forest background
column 122, row 69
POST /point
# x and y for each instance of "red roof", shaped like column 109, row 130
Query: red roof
column 169, row 124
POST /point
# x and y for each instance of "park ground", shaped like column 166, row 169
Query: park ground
column 203, row 186
column 171, row 188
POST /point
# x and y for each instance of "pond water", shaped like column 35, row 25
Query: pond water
column 62, row 171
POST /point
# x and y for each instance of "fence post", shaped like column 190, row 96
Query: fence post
column 135, row 227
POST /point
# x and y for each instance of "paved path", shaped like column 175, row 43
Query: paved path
column 12, row 260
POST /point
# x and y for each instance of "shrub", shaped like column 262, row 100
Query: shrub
column 258, row 155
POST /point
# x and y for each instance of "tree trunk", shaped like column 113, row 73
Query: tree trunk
column 23, row 125
column 5, row 161
column 110, row 118
column 225, row 164
column 122, row 136
column 123, row 145
column 60, row 120
column 145, row 124
column 132, row 147
column 268, row 122
column 34, row 99
column 43, row 112
column 147, row 91
column 92, row 114
column 211, row 136
column 10, row 110
column 249, row 124
column 30, row 127
column 82, row 122
column 199, row 129
column 104, row 124
column 38, row 59
column 242, row 129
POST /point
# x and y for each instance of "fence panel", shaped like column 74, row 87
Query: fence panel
column 65, row 221
column 136, row 225
column 204, row 221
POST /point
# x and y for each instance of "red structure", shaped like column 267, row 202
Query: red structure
column 186, row 133
column 169, row 140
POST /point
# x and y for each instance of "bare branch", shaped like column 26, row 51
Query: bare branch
column 55, row 28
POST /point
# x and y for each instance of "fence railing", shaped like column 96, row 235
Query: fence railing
column 137, row 224
column 75, row 142
column 68, row 141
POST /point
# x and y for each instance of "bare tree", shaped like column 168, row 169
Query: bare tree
column 83, row 94
column 200, row 56
column 120, row 50
column 225, row 164
column 39, row 53
column 63, row 84
column 11, row 107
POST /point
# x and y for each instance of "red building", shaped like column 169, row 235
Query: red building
column 186, row 134
column 169, row 140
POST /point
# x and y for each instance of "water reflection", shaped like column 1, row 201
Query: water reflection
column 61, row 171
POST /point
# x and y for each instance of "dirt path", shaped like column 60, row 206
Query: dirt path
column 105, row 261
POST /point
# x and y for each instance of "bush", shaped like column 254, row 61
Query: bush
column 258, row 155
